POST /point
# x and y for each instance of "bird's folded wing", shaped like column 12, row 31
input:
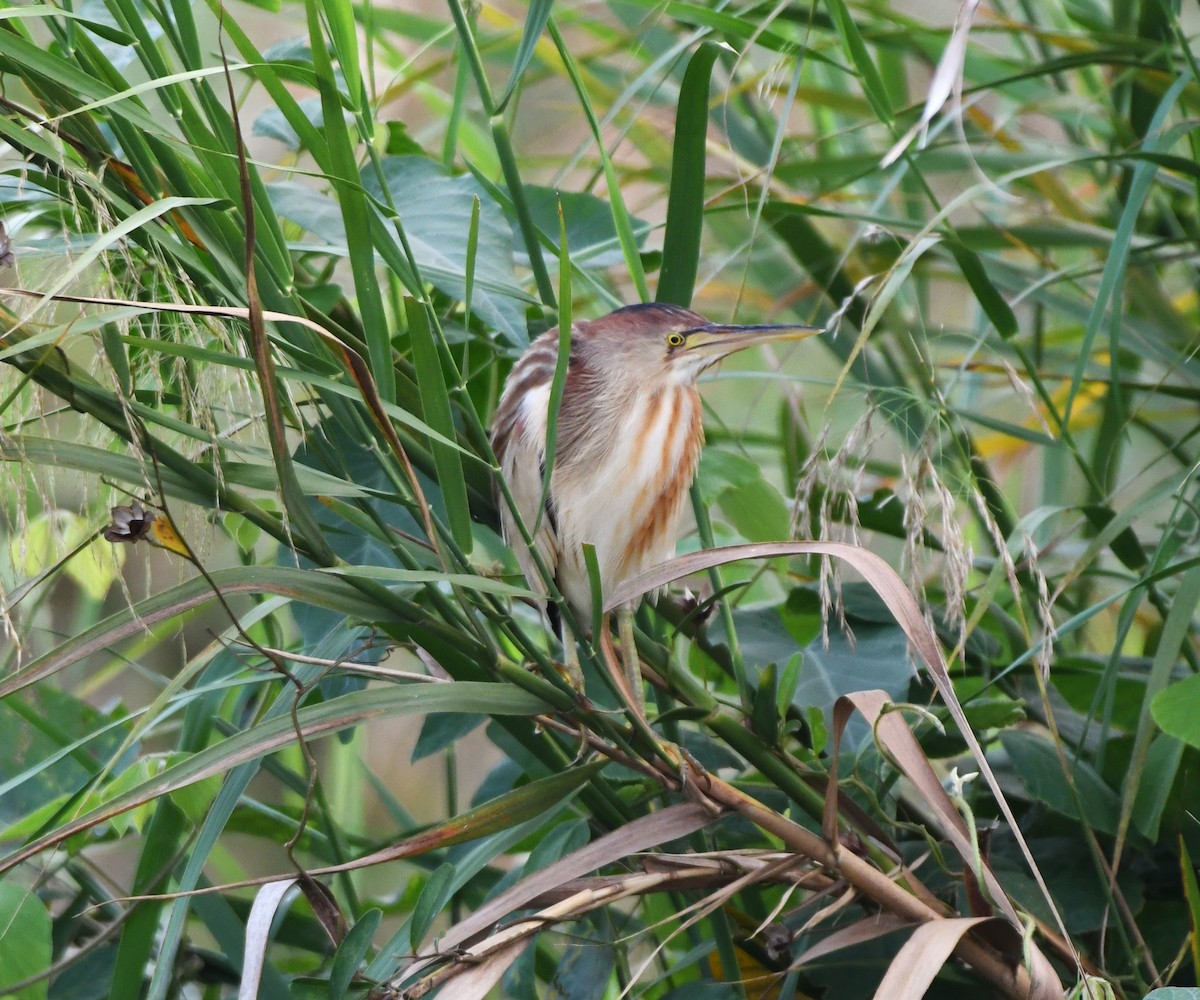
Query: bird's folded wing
column 523, row 466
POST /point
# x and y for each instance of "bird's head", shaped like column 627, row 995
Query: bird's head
column 654, row 339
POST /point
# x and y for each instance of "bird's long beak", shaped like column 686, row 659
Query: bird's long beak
column 716, row 340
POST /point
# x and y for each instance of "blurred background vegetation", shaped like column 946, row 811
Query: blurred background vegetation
column 266, row 268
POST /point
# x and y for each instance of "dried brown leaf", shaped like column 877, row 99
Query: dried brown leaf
column 642, row 833
column 923, row 954
column 904, row 608
column 857, row 933
column 475, row 982
column 258, row 933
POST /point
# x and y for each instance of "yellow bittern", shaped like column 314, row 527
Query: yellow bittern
column 627, row 444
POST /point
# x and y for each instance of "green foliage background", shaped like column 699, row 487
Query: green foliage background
column 272, row 290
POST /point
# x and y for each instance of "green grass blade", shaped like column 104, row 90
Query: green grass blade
column 860, row 57
column 324, row 718
column 561, row 365
column 685, row 206
column 1176, row 631
column 621, row 219
column 998, row 311
column 529, row 231
column 344, row 175
column 466, row 38
column 1117, row 260
column 435, row 404
column 339, row 16
column 535, row 24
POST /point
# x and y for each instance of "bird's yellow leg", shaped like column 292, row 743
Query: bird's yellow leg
column 629, row 658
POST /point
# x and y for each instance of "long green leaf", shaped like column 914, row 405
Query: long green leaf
column 685, row 206
column 310, row 586
column 315, row 720
column 435, row 404
column 620, row 213
column 343, row 173
column 535, row 24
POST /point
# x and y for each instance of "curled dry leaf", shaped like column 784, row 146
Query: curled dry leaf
column 904, row 608
column 644, row 832
column 912, row 970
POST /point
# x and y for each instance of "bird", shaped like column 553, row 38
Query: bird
column 628, row 440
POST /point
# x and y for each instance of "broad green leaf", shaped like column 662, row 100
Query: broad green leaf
column 1037, row 765
column 24, row 941
column 1176, row 709
column 591, row 234
column 435, row 209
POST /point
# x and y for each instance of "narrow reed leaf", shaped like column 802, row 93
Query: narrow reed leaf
column 1157, row 785
column 344, row 175
column 535, row 23
column 520, row 204
column 454, row 120
column 322, row 719
column 295, row 500
column 164, row 833
column 1176, row 631
column 95, row 461
column 621, row 217
column 282, row 99
column 1108, row 295
column 860, row 58
column 1191, row 893
column 23, row 57
column 101, row 28
column 343, row 33
column 170, row 937
column 561, row 365
column 466, row 40
column 435, row 405
column 778, row 35
column 310, row 586
column 150, row 87
column 997, row 310
column 593, row 572
column 472, row 255
column 685, row 204
column 434, row 896
column 467, row 581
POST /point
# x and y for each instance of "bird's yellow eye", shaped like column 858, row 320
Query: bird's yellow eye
column 675, row 339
